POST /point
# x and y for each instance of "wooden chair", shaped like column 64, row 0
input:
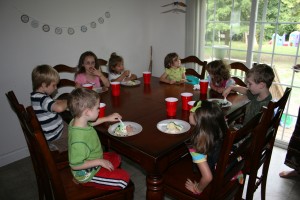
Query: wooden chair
column 240, row 71
column 60, row 180
column 236, row 145
column 264, row 138
column 101, row 63
column 61, row 158
column 190, row 71
column 20, row 112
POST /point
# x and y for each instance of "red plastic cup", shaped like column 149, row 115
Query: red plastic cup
column 102, row 107
column 185, row 98
column 88, row 86
column 115, row 88
column 203, row 86
column 171, row 105
column 190, row 104
column 147, row 77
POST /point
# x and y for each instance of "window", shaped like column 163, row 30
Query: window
column 258, row 31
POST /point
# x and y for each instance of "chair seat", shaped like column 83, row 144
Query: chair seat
column 77, row 191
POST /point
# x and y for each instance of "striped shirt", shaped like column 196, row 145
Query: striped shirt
column 51, row 122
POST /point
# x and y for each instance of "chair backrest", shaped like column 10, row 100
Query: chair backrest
column 195, row 59
column 239, row 73
column 103, row 66
column 64, row 82
column 234, row 152
column 35, row 134
column 264, row 138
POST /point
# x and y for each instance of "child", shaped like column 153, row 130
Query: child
column 117, row 71
column 44, row 81
column 174, row 72
column 206, row 141
column 89, row 71
column 90, row 166
column 259, row 80
column 219, row 75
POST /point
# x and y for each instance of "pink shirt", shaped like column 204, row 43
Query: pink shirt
column 81, row 79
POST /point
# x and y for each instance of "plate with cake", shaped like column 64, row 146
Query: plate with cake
column 126, row 129
column 131, row 83
column 173, row 126
column 221, row 102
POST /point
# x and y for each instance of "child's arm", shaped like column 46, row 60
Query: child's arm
column 98, row 73
column 94, row 163
column 239, row 89
column 59, row 105
column 122, row 77
column 206, row 178
column 110, row 118
column 183, row 78
column 164, row 78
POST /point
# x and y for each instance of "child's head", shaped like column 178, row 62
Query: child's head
column 46, row 77
column 172, row 60
column 261, row 73
column 218, row 71
column 259, row 79
column 115, row 63
column 87, row 60
column 210, row 126
column 84, row 101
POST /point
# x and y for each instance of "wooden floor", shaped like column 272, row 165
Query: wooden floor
column 17, row 180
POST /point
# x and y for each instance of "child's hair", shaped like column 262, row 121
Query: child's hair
column 43, row 74
column 114, row 60
column 262, row 73
column 81, row 99
column 169, row 59
column 210, row 127
column 80, row 66
column 219, row 69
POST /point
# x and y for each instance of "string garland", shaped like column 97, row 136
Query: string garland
column 70, row 30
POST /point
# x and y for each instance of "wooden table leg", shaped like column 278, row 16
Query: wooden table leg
column 154, row 187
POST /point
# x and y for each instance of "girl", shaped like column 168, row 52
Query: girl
column 116, row 69
column 89, row 72
column 206, row 141
column 219, row 76
column 174, row 73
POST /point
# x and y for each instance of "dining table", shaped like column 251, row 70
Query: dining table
column 153, row 150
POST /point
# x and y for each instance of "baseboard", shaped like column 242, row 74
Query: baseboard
column 14, row 156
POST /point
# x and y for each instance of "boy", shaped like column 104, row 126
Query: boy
column 44, row 82
column 90, row 166
column 259, row 80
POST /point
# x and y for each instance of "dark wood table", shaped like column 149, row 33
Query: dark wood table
column 153, row 150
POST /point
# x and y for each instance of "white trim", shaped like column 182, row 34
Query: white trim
column 14, row 156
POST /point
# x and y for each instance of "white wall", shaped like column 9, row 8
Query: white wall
column 133, row 27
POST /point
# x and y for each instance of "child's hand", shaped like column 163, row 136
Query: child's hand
column 95, row 72
column 172, row 82
column 114, row 117
column 106, row 164
column 127, row 73
column 192, row 186
column 226, row 92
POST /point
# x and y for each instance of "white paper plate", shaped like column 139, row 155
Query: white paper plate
column 137, row 128
column 221, row 101
column 129, row 84
column 100, row 90
column 162, row 125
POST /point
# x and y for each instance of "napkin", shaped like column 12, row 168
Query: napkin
column 197, row 87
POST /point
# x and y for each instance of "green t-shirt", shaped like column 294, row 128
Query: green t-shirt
column 255, row 106
column 175, row 73
column 83, row 144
